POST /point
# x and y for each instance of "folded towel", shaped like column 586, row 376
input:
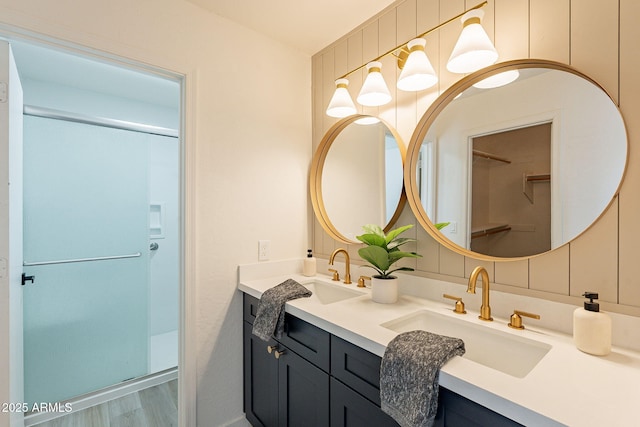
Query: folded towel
column 409, row 375
column 270, row 316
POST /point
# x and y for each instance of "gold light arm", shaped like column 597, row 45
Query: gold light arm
column 442, row 24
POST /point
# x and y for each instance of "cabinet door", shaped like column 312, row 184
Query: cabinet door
column 303, row 392
column 260, row 380
column 350, row 409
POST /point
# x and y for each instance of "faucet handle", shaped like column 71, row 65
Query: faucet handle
column 516, row 320
column 459, row 304
column 361, row 281
column 336, row 275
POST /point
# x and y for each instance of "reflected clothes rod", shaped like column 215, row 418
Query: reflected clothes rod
column 67, row 261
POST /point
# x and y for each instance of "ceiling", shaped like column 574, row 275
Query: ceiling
column 307, row 25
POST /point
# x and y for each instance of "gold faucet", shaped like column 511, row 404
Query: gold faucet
column 347, row 269
column 485, row 310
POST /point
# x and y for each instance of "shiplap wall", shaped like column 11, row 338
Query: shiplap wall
column 598, row 37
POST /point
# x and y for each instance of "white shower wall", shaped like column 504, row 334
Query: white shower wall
column 164, row 181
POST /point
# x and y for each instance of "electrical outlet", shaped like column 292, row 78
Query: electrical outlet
column 453, row 227
column 263, row 249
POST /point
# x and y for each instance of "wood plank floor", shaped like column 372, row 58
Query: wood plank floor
column 152, row 407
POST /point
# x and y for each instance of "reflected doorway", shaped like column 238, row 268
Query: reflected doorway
column 511, row 192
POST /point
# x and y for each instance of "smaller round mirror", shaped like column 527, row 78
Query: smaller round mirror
column 520, row 158
column 356, row 177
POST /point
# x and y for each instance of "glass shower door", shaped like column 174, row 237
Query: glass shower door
column 86, row 219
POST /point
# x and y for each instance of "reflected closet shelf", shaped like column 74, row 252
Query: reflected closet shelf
column 489, row 229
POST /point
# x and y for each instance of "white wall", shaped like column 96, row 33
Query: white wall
column 248, row 134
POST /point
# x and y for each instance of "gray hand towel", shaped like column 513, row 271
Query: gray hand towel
column 409, row 375
column 270, row 316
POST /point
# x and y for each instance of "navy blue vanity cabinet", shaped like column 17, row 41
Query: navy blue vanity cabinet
column 321, row 380
column 284, row 381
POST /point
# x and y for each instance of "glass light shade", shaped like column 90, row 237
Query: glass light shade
column 374, row 91
column 474, row 49
column 498, row 80
column 341, row 104
column 368, row 120
column 417, row 73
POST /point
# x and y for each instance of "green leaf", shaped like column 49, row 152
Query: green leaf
column 372, row 240
column 395, row 233
column 376, row 256
column 397, row 256
column 400, row 241
column 441, row 225
column 373, row 229
column 400, row 269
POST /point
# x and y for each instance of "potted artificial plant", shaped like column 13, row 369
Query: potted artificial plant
column 381, row 252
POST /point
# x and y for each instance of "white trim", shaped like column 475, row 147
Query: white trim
column 187, row 384
column 104, row 395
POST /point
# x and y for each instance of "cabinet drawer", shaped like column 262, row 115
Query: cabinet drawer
column 357, row 368
column 307, row 340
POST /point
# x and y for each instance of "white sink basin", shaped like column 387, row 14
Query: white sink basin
column 505, row 352
column 326, row 293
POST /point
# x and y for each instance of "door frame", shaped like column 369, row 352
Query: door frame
column 187, row 378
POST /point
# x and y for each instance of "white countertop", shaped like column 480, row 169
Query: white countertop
column 566, row 387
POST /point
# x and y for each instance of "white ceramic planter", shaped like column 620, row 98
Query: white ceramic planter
column 384, row 291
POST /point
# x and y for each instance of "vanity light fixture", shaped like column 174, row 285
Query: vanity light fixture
column 341, row 104
column 368, row 120
column 498, row 80
column 417, row 72
column 473, row 51
column 374, row 91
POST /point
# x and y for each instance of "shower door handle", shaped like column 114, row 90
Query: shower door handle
column 26, row 279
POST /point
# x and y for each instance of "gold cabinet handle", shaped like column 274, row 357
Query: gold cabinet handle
column 274, row 349
column 361, row 281
column 459, row 307
column 336, row 275
column 516, row 319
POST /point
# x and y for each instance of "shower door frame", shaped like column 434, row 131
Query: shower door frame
column 187, row 381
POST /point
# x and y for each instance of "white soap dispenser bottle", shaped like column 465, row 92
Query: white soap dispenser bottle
column 592, row 328
column 309, row 266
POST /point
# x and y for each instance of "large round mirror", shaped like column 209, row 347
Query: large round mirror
column 357, row 177
column 518, row 169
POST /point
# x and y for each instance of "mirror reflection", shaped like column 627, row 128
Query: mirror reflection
column 519, row 169
column 357, row 177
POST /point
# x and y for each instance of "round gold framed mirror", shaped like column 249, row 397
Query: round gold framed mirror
column 518, row 169
column 356, row 177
